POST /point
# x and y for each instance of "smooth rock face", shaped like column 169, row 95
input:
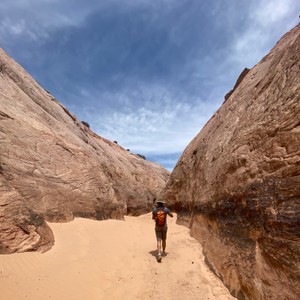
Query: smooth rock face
column 54, row 168
column 237, row 184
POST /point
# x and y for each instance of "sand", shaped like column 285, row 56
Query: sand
column 111, row 260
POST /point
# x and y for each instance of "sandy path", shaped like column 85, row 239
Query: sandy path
column 111, row 260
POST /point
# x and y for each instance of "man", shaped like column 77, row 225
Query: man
column 159, row 214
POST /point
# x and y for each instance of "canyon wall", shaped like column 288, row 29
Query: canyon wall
column 237, row 184
column 54, row 168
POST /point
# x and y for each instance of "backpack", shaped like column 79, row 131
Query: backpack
column 161, row 217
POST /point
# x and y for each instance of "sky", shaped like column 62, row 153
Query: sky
column 145, row 73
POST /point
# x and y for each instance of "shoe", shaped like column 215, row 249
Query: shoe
column 159, row 257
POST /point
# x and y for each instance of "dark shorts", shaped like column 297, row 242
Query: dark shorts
column 161, row 232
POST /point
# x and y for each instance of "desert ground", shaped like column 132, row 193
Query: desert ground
column 111, row 260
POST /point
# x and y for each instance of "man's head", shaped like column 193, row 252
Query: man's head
column 160, row 202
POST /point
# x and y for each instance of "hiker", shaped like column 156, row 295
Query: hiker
column 159, row 214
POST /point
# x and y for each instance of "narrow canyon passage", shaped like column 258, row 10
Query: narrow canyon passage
column 111, row 260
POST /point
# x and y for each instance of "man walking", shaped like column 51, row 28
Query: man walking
column 159, row 214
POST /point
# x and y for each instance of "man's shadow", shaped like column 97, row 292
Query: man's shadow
column 155, row 253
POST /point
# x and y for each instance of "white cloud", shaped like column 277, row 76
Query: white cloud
column 269, row 12
column 10, row 28
column 35, row 19
column 57, row 13
column 161, row 124
column 14, row 28
column 267, row 23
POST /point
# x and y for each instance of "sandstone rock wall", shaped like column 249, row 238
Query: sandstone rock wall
column 52, row 167
column 237, row 184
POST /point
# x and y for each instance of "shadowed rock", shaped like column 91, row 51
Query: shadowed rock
column 237, row 184
column 54, row 168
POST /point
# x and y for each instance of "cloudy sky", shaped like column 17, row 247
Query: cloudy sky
column 146, row 73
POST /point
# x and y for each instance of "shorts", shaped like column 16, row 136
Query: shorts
column 161, row 232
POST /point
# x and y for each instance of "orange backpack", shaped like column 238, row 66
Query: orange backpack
column 161, row 217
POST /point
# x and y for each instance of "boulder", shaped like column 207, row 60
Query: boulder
column 54, row 168
column 237, row 184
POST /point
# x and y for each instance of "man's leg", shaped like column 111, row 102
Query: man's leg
column 159, row 247
column 164, row 243
column 159, row 255
column 164, row 240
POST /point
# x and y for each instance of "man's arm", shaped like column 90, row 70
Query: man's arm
column 153, row 214
column 169, row 213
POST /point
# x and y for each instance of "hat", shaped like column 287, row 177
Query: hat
column 160, row 201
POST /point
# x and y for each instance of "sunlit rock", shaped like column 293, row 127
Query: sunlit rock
column 54, row 168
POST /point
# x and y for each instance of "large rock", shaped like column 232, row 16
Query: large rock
column 53, row 167
column 237, row 184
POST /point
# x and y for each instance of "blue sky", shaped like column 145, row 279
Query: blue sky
column 146, row 73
